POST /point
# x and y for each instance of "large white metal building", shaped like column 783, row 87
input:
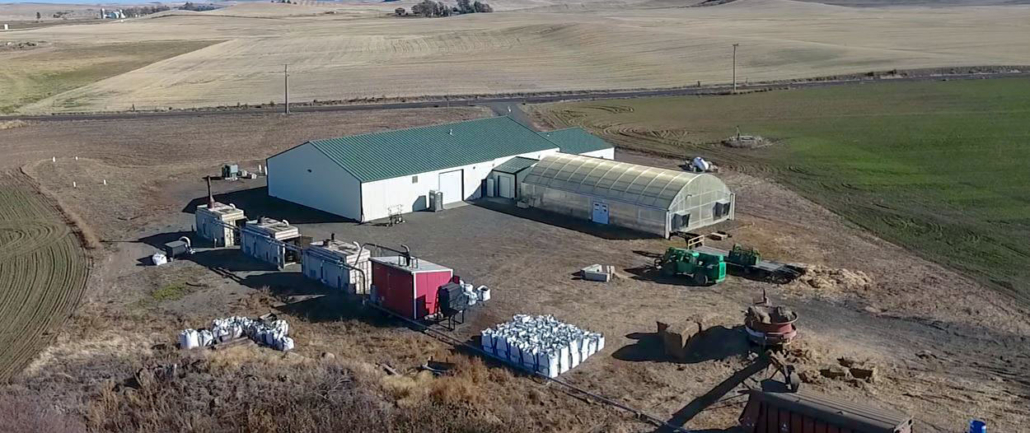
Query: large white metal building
column 368, row 177
column 647, row 199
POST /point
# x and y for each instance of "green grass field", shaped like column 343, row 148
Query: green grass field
column 942, row 168
column 32, row 75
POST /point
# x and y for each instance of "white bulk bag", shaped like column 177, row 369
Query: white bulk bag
column 158, row 259
column 206, row 337
column 188, row 339
column 281, row 326
column 487, row 341
column 564, row 364
column 284, row 344
column 547, row 365
column 222, row 333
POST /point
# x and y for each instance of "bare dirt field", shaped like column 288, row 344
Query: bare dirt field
column 43, row 271
column 945, row 348
column 361, row 52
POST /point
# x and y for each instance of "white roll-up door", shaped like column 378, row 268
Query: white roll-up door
column 451, row 186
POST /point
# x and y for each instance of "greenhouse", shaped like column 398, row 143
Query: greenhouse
column 648, row 199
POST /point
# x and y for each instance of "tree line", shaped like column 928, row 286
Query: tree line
column 138, row 11
column 430, row 9
column 190, row 6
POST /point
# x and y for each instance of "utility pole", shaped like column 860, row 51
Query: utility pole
column 286, row 78
column 735, row 67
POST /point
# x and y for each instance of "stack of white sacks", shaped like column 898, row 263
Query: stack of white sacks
column 541, row 344
column 273, row 334
column 474, row 294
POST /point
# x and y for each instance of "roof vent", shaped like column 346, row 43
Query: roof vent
column 451, row 132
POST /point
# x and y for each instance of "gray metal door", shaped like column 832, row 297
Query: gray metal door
column 506, row 186
column 600, row 214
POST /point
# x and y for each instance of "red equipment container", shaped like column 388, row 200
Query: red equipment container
column 408, row 286
column 811, row 412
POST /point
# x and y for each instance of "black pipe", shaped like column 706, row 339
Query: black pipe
column 407, row 255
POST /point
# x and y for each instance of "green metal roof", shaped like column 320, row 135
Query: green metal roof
column 405, row 152
column 515, row 165
column 576, row 141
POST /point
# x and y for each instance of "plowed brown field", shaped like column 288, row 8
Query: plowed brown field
column 43, row 271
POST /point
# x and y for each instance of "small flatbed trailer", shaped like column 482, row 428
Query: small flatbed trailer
column 777, row 272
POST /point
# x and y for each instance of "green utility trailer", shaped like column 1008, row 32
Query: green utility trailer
column 703, row 268
column 749, row 261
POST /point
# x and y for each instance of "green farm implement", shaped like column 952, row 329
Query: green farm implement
column 701, row 267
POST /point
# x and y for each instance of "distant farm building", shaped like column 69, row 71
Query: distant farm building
column 371, row 176
column 647, row 199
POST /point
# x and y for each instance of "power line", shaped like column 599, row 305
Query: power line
column 735, row 67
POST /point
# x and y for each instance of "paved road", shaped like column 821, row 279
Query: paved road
column 501, row 103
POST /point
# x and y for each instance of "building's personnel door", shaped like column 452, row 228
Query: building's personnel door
column 506, row 186
column 600, row 214
column 451, row 186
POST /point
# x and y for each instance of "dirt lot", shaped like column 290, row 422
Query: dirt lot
column 945, row 349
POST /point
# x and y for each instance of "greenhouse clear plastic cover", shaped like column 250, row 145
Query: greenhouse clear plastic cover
column 649, row 199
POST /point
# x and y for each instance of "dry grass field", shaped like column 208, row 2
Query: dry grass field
column 361, row 52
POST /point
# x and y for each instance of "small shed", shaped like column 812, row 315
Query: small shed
column 333, row 263
column 271, row 241
column 407, row 285
column 505, row 178
column 648, row 199
column 218, row 223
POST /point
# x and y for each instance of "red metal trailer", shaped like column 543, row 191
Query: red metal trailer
column 811, row 412
column 408, row 286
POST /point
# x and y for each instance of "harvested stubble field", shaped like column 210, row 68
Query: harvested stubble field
column 363, row 53
column 29, row 75
column 43, row 271
column 940, row 168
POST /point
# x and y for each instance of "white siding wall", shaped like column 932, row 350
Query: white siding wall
column 608, row 153
column 378, row 196
column 304, row 175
